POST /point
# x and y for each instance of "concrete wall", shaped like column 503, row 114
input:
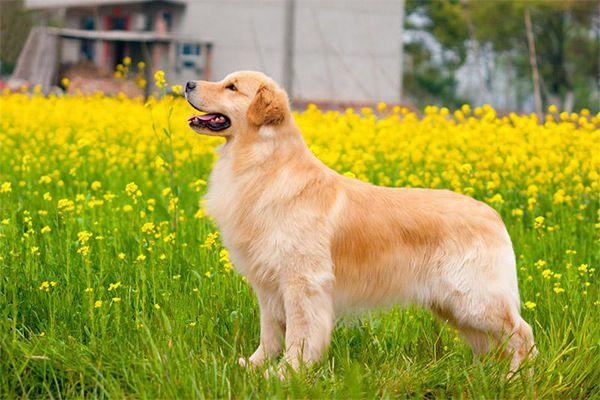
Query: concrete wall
column 345, row 49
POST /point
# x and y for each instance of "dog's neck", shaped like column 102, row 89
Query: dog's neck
column 265, row 147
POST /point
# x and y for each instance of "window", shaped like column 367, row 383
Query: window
column 87, row 46
column 190, row 55
column 189, row 49
column 168, row 20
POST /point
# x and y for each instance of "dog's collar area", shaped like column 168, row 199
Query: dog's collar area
column 212, row 121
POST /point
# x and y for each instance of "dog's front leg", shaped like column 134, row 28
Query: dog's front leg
column 271, row 328
column 307, row 293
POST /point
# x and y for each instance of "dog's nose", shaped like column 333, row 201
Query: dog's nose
column 190, row 86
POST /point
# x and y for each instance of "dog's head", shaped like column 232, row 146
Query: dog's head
column 242, row 101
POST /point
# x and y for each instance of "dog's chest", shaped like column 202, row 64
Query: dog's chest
column 222, row 192
column 257, row 227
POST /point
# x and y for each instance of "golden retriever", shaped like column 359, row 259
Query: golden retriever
column 314, row 244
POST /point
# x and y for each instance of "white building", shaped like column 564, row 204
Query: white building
column 343, row 50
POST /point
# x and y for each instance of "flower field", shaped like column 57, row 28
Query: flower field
column 113, row 283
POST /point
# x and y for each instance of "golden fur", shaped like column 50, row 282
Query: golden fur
column 314, row 244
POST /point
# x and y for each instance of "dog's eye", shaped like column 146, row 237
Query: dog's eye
column 231, row 86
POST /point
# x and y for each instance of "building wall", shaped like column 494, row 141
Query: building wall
column 345, row 50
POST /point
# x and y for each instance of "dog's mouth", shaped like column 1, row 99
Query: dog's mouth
column 213, row 121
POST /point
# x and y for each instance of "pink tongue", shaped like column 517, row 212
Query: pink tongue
column 206, row 117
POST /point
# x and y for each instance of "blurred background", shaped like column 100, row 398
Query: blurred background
column 515, row 55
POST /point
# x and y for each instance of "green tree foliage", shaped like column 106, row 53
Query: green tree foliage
column 566, row 41
column 430, row 77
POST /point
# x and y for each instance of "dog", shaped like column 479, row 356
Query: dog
column 314, row 244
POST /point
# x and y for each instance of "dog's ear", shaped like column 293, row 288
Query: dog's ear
column 268, row 107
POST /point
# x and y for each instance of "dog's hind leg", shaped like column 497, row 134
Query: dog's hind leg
column 478, row 341
column 499, row 324
column 520, row 344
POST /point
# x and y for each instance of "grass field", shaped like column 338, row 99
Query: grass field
column 113, row 283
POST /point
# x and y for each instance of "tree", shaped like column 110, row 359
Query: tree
column 566, row 43
column 435, row 50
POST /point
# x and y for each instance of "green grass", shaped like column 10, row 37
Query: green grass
column 166, row 340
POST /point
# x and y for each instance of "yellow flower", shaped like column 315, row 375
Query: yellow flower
column 83, row 237
column 114, row 286
column 547, row 273
column 96, row 185
column 66, row 205
column 45, row 229
column 530, row 305
column 157, row 306
column 159, row 79
column 148, row 228
column 65, row 82
column 538, row 222
column 45, row 179
column 121, row 256
column 98, row 304
column 198, row 184
column 133, row 191
column 210, row 240
column 496, row 199
column 177, row 89
column 116, row 299
column 517, row 212
column 199, row 214
column 6, row 187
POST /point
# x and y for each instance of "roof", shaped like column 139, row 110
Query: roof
column 121, row 36
column 48, row 4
